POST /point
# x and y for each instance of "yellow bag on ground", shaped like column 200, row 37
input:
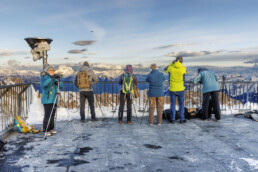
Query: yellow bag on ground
column 23, row 127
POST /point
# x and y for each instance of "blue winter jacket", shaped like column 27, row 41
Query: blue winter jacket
column 208, row 79
column 47, row 84
column 155, row 79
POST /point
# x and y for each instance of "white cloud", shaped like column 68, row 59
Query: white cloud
column 5, row 52
column 192, row 53
column 77, row 51
column 84, row 42
column 12, row 62
column 175, row 45
column 91, row 53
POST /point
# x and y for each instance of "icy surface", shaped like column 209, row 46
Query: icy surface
column 228, row 145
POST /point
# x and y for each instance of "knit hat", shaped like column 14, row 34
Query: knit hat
column 153, row 66
column 47, row 67
column 86, row 64
column 129, row 68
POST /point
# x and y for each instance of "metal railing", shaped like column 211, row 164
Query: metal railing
column 14, row 100
column 232, row 95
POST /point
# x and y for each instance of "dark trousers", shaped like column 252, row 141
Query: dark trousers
column 48, row 108
column 128, row 98
column 90, row 97
column 214, row 95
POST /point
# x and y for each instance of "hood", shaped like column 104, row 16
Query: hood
column 178, row 64
column 129, row 69
column 201, row 69
column 84, row 68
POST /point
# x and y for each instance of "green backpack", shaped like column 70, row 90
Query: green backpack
column 127, row 86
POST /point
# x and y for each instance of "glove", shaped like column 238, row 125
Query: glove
column 56, row 82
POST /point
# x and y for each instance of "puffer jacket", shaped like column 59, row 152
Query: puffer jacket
column 176, row 73
column 48, row 84
column 208, row 79
column 92, row 75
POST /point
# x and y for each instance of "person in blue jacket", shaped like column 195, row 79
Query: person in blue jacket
column 156, row 94
column 210, row 91
column 49, row 92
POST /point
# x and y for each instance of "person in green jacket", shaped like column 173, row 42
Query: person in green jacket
column 176, row 72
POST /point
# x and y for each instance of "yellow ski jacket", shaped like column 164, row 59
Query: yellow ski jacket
column 176, row 78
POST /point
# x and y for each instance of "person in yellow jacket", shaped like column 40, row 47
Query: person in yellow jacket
column 176, row 72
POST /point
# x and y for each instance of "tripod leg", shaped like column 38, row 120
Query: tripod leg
column 70, row 117
column 144, row 110
column 134, row 109
column 163, row 111
column 88, row 114
column 99, row 105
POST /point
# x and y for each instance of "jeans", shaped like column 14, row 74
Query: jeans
column 181, row 98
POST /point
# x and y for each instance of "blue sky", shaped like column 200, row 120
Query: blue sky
column 204, row 32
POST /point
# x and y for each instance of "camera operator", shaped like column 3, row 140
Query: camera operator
column 49, row 84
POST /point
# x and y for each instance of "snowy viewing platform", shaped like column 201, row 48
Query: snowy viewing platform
column 227, row 145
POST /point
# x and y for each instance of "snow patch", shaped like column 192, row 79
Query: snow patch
column 252, row 162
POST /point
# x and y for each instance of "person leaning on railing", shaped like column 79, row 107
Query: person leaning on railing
column 176, row 72
column 49, row 92
column 210, row 90
column 155, row 93
column 83, row 80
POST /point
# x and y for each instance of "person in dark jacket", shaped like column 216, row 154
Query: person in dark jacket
column 156, row 94
column 127, row 81
column 210, row 91
column 87, row 93
column 49, row 92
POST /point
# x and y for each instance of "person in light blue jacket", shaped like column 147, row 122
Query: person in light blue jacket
column 49, row 85
column 210, row 91
column 156, row 94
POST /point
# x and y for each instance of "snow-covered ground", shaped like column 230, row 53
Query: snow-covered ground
column 228, row 145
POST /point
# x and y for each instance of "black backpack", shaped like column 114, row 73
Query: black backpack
column 199, row 112
column 2, row 143
column 166, row 114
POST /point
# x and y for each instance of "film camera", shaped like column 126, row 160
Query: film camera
column 57, row 76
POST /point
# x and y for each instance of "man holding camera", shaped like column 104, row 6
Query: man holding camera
column 83, row 81
column 176, row 72
column 49, row 84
